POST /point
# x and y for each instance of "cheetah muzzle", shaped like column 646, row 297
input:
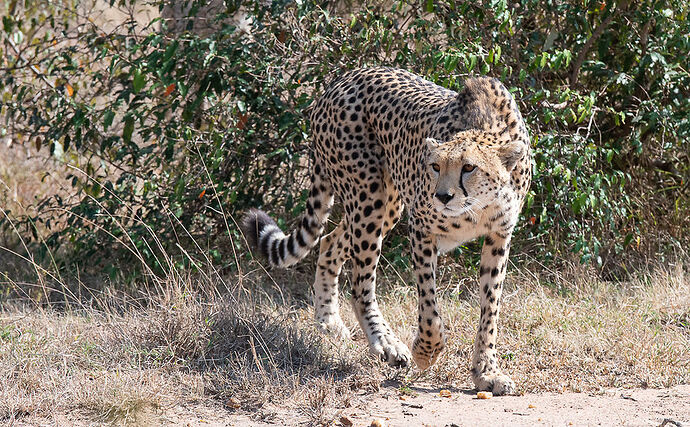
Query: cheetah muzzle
column 384, row 139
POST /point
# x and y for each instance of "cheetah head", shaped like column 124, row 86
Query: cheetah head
column 470, row 171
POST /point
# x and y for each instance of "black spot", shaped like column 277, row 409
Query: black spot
column 498, row 251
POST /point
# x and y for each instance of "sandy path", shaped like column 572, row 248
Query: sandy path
column 622, row 407
column 615, row 407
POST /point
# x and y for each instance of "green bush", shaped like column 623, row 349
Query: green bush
column 169, row 136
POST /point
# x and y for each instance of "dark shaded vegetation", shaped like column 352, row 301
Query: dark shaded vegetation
column 166, row 136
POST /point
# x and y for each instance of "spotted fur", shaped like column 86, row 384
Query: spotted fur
column 384, row 139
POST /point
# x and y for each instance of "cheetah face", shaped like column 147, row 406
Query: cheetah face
column 470, row 171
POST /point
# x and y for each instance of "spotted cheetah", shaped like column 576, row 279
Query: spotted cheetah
column 383, row 139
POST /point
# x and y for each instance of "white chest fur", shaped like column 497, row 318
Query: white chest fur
column 449, row 241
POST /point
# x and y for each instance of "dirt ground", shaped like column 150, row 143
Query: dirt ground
column 425, row 407
column 650, row 407
column 614, row 407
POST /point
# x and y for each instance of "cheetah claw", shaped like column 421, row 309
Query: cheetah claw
column 391, row 350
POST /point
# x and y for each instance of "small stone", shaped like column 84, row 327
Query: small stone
column 377, row 423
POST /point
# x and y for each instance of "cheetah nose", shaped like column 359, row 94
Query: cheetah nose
column 445, row 198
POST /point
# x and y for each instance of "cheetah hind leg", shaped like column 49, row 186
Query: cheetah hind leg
column 327, row 308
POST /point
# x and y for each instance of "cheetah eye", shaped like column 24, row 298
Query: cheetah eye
column 435, row 167
column 468, row 168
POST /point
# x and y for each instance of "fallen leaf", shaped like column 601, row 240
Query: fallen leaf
column 346, row 421
column 70, row 89
column 377, row 423
column 242, row 120
column 530, row 406
column 169, row 89
column 484, row 395
column 444, row 393
column 201, row 195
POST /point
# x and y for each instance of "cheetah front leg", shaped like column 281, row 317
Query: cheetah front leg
column 430, row 340
column 485, row 371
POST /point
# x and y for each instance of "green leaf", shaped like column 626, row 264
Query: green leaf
column 544, row 60
column 473, row 62
column 429, row 6
column 451, row 63
column 139, row 81
column 523, row 75
column 628, row 239
column 128, row 129
column 108, row 117
column 609, row 156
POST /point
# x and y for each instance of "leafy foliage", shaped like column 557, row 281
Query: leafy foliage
column 168, row 136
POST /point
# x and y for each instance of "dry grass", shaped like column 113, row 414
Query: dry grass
column 123, row 364
column 255, row 348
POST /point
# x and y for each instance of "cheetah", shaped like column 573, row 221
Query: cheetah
column 384, row 139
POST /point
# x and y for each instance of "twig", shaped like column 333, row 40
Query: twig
column 588, row 45
column 33, row 68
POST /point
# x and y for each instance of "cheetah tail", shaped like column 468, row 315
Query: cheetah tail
column 282, row 250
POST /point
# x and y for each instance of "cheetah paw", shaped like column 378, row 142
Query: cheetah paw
column 424, row 360
column 498, row 384
column 391, row 350
column 423, row 357
column 333, row 326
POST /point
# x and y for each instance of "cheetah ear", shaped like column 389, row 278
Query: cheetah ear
column 432, row 144
column 511, row 153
